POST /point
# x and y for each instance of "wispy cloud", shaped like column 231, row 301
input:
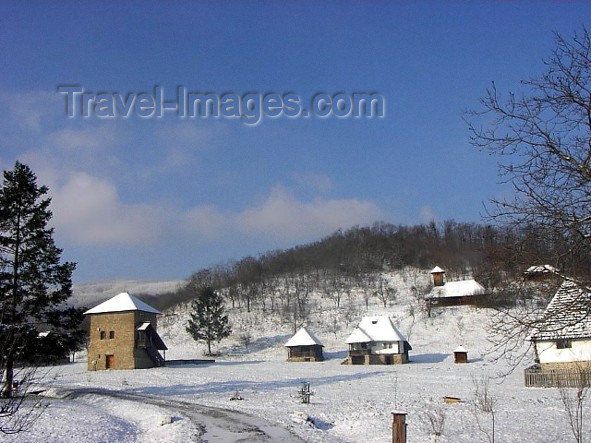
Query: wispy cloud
column 88, row 211
column 283, row 217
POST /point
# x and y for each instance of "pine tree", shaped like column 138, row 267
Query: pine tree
column 34, row 285
column 208, row 322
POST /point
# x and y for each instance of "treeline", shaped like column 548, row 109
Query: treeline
column 489, row 253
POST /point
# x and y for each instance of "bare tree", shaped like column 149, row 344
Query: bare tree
column 542, row 137
column 573, row 399
column 433, row 416
column 484, row 403
column 383, row 291
column 19, row 411
column 297, row 311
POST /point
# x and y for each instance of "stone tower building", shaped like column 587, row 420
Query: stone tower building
column 123, row 335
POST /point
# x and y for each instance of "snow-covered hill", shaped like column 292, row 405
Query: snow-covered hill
column 350, row 403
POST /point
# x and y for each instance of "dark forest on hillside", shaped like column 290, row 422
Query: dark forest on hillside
column 489, row 253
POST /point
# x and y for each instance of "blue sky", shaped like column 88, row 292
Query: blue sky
column 158, row 198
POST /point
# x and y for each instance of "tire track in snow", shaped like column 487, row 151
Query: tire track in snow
column 217, row 425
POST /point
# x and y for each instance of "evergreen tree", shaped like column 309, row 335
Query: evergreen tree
column 208, row 322
column 34, row 285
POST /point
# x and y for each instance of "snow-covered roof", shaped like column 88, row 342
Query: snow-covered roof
column 460, row 349
column 303, row 338
column 458, row 289
column 436, row 270
column 377, row 329
column 541, row 269
column 121, row 303
column 567, row 316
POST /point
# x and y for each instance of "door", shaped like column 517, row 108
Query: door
column 110, row 361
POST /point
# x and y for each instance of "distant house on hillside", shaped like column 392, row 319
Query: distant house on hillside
column 304, row 346
column 123, row 335
column 540, row 272
column 376, row 341
column 453, row 293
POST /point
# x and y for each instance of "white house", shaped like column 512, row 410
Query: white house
column 377, row 341
column 562, row 338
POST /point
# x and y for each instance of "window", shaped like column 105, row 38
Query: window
column 563, row 344
column 387, row 345
column 103, row 335
column 111, row 335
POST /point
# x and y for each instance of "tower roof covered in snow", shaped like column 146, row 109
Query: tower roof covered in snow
column 121, row 303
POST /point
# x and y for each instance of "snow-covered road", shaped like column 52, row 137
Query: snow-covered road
column 213, row 425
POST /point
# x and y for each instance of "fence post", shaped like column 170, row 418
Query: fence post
column 398, row 427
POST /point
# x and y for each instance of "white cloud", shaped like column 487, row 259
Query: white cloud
column 88, row 211
column 427, row 214
column 88, row 138
column 284, row 217
column 27, row 110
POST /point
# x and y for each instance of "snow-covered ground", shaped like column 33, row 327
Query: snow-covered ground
column 350, row 403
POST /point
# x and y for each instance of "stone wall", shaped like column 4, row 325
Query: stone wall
column 118, row 340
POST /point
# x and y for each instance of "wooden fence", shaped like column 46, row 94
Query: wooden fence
column 557, row 378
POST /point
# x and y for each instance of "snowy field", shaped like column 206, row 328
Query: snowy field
column 350, row 403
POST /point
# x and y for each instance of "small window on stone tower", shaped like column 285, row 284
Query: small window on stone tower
column 111, row 335
column 103, row 335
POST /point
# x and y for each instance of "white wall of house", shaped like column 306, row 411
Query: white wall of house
column 548, row 352
column 388, row 348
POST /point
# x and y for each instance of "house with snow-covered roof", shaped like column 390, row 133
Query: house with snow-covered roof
column 562, row 337
column 304, row 346
column 123, row 335
column 376, row 341
column 541, row 272
column 453, row 293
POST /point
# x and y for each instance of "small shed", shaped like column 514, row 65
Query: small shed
column 304, row 346
column 460, row 355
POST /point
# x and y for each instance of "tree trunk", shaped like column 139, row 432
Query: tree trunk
column 8, row 376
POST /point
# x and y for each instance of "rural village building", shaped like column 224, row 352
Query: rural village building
column 453, row 293
column 304, row 346
column 376, row 341
column 460, row 355
column 540, row 272
column 563, row 338
column 123, row 335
